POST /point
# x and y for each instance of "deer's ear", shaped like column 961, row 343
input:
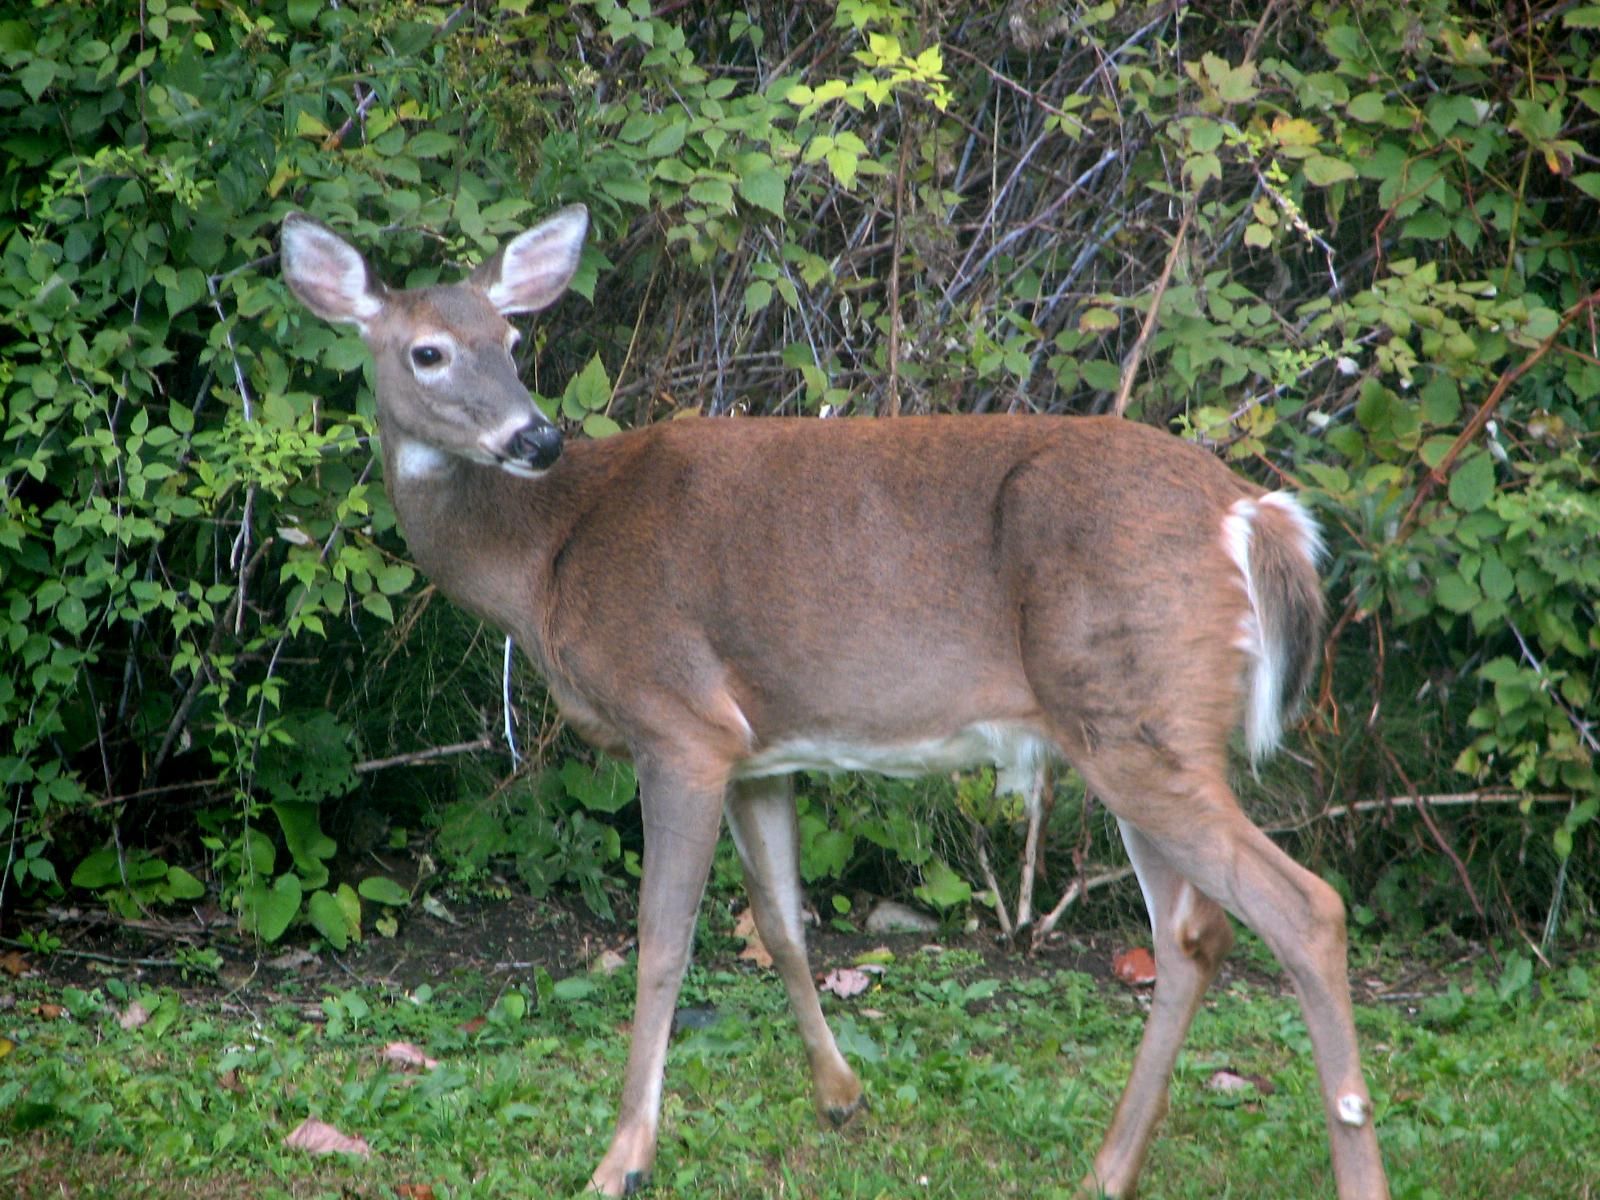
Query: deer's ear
column 327, row 273
column 532, row 270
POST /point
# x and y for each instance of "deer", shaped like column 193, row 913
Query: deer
column 727, row 601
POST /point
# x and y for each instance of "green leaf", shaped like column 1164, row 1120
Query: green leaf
column 394, row 578
column 605, row 788
column 268, row 911
column 1322, row 171
column 591, row 387
column 824, row 852
column 99, row 870
column 332, row 919
column 573, row 987
column 1368, row 106
column 756, row 297
column 628, row 189
column 1495, row 578
column 1455, row 593
column 259, row 852
column 378, row 605
column 637, row 127
column 308, row 845
column 430, row 143
column 1102, row 375
column 1441, row 401
column 667, row 140
column 1472, row 484
column 1201, row 167
column 942, row 887
column 717, row 193
column 183, row 886
column 1588, row 183
column 764, row 189
column 36, row 77
column 380, row 889
column 1582, row 18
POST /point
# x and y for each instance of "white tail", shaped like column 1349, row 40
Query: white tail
column 729, row 601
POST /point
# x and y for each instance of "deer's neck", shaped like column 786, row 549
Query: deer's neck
column 483, row 536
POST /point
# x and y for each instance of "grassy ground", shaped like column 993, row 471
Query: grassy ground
column 983, row 1083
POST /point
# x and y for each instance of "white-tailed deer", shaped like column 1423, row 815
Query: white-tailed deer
column 730, row 601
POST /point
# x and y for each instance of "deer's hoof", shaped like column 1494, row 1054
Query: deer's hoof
column 840, row 1115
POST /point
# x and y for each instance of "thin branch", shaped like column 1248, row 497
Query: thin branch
column 1130, row 365
column 420, row 756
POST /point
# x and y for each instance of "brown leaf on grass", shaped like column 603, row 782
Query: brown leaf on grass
column 318, row 1137
column 754, row 951
column 13, row 964
column 414, row 1191
column 607, row 962
column 134, row 1016
column 52, row 1012
column 407, row 1057
column 1232, row 1081
column 845, row 982
column 1135, row 967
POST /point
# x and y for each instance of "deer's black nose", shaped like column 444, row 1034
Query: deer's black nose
column 538, row 445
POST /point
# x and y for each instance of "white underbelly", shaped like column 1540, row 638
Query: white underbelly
column 1016, row 752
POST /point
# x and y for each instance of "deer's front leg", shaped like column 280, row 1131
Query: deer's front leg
column 682, row 809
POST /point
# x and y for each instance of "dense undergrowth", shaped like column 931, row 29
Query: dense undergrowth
column 1350, row 246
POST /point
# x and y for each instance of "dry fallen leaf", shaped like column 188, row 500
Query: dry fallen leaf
column 845, row 982
column 607, row 962
column 1135, row 967
column 1232, row 1081
column 414, row 1191
column 13, row 963
column 52, row 1012
column 1227, row 1081
column 291, row 960
column 318, row 1137
column 407, row 1056
column 133, row 1016
column 754, row 951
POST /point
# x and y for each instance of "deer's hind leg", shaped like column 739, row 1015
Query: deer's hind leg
column 1192, row 936
column 761, row 817
column 1182, row 809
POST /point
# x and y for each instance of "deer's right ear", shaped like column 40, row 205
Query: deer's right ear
column 327, row 273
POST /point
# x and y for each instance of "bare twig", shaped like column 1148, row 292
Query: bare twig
column 421, row 756
column 1130, row 365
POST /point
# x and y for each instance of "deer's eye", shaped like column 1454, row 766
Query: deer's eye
column 426, row 356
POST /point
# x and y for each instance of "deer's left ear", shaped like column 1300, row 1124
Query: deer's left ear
column 532, row 270
column 327, row 273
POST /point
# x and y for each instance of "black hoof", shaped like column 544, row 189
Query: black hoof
column 635, row 1182
column 841, row 1115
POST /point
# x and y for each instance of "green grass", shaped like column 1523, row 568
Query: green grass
column 979, row 1088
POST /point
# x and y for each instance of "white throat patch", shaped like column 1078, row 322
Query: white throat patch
column 418, row 460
